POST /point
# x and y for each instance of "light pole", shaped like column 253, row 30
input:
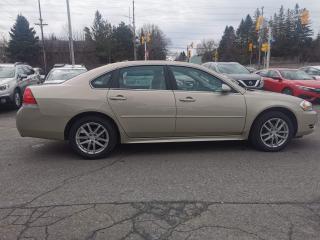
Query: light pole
column 41, row 24
column 70, row 35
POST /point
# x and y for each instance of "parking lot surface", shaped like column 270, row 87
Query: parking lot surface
column 211, row 190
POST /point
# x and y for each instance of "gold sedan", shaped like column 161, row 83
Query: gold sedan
column 159, row 101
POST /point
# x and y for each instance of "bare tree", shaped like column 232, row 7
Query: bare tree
column 205, row 46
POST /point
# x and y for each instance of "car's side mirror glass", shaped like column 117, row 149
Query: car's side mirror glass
column 225, row 88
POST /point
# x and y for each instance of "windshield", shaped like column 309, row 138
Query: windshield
column 232, row 68
column 7, row 72
column 64, row 74
column 295, row 75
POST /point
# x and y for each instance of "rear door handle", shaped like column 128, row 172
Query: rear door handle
column 187, row 99
column 118, row 98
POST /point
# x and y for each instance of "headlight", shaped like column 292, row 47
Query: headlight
column 306, row 106
column 4, row 87
column 306, row 88
column 261, row 82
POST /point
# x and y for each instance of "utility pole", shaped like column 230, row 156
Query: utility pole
column 70, row 35
column 41, row 24
column 260, row 40
column 134, row 33
column 269, row 45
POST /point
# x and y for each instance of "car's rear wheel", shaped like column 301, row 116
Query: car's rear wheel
column 93, row 137
column 17, row 99
column 272, row 131
column 287, row 91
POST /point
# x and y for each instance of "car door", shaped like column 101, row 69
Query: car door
column 273, row 81
column 143, row 102
column 202, row 108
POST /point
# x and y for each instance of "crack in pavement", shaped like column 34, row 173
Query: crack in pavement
column 162, row 221
column 69, row 180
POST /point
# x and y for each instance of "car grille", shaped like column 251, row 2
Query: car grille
column 249, row 83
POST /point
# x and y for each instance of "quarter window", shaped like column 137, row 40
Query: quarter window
column 102, row 81
column 142, row 77
column 190, row 79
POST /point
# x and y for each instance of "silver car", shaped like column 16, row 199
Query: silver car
column 236, row 71
column 14, row 78
column 159, row 101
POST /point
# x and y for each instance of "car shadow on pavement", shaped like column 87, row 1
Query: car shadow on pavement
column 61, row 151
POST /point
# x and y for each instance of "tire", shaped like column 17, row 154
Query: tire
column 80, row 137
column 287, row 91
column 263, row 139
column 17, row 99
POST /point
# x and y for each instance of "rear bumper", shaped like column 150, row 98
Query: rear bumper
column 306, row 123
column 32, row 123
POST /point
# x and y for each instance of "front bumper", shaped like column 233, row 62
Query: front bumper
column 307, row 121
column 307, row 95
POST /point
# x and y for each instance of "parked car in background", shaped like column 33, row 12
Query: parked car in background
column 251, row 69
column 159, row 101
column 14, row 78
column 312, row 71
column 62, row 72
column 237, row 72
column 292, row 82
column 41, row 73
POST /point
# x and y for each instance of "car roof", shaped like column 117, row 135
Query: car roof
column 114, row 66
column 278, row 69
column 223, row 62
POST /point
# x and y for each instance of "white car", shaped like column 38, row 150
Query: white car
column 313, row 71
column 62, row 72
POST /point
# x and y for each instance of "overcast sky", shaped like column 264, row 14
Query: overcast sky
column 183, row 21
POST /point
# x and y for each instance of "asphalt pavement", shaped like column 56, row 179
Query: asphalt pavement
column 189, row 191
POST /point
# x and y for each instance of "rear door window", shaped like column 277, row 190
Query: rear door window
column 142, row 77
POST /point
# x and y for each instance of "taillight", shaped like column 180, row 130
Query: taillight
column 28, row 97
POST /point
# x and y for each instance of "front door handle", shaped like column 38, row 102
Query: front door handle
column 187, row 99
column 118, row 97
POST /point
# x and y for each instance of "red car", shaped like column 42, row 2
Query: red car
column 292, row 82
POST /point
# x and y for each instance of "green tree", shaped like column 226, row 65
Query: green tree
column 122, row 47
column 227, row 48
column 23, row 44
column 243, row 38
column 102, row 35
column 182, row 57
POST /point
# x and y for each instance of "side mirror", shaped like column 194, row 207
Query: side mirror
column 225, row 88
column 22, row 76
column 277, row 78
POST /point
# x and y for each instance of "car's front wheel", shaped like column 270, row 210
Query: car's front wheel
column 93, row 137
column 272, row 131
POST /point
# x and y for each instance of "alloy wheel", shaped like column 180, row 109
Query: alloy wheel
column 92, row 138
column 274, row 132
